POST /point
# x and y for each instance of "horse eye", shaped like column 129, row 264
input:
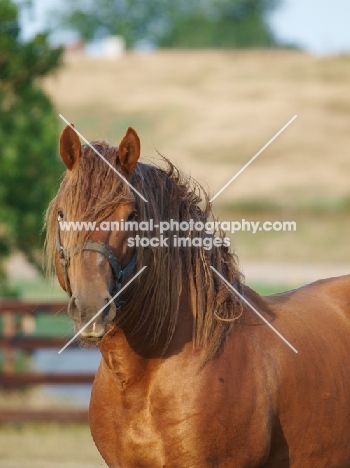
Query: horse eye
column 60, row 215
column 132, row 216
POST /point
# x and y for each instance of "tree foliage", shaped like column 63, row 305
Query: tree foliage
column 29, row 167
column 174, row 23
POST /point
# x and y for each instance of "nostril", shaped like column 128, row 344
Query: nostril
column 73, row 309
column 77, row 305
column 107, row 307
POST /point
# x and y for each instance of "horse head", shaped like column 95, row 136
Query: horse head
column 93, row 263
column 92, row 266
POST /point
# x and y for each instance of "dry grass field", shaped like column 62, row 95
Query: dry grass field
column 44, row 445
column 48, row 446
column 211, row 111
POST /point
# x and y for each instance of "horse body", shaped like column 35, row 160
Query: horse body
column 255, row 405
column 190, row 377
column 171, row 413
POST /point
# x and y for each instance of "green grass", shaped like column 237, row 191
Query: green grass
column 49, row 324
column 266, row 289
column 53, row 325
column 95, row 123
column 46, row 325
column 310, row 207
column 40, row 289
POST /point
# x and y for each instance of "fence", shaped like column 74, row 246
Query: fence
column 18, row 323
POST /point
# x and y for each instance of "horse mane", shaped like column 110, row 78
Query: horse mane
column 92, row 191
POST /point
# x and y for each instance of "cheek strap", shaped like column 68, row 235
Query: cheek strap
column 120, row 274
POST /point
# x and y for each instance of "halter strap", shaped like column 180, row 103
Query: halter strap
column 119, row 273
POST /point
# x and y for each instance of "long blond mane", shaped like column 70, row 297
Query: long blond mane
column 93, row 190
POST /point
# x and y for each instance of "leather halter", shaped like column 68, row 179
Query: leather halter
column 119, row 273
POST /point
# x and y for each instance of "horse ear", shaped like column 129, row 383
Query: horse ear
column 129, row 150
column 70, row 147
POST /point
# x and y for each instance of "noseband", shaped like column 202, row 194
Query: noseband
column 119, row 273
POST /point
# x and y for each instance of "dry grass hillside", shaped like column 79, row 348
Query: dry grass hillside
column 211, row 111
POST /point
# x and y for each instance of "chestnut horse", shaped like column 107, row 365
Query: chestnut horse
column 189, row 375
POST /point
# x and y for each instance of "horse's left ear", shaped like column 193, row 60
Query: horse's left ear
column 129, row 150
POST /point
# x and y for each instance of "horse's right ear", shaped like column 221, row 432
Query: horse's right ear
column 70, row 147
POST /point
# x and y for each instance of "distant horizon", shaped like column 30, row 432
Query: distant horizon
column 319, row 27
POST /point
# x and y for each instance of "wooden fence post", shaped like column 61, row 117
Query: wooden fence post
column 28, row 325
column 9, row 331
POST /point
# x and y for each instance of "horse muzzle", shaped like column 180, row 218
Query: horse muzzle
column 90, row 320
column 92, row 333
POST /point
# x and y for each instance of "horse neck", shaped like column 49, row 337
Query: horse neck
column 128, row 356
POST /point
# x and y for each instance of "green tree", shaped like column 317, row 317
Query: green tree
column 174, row 23
column 29, row 166
column 222, row 24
